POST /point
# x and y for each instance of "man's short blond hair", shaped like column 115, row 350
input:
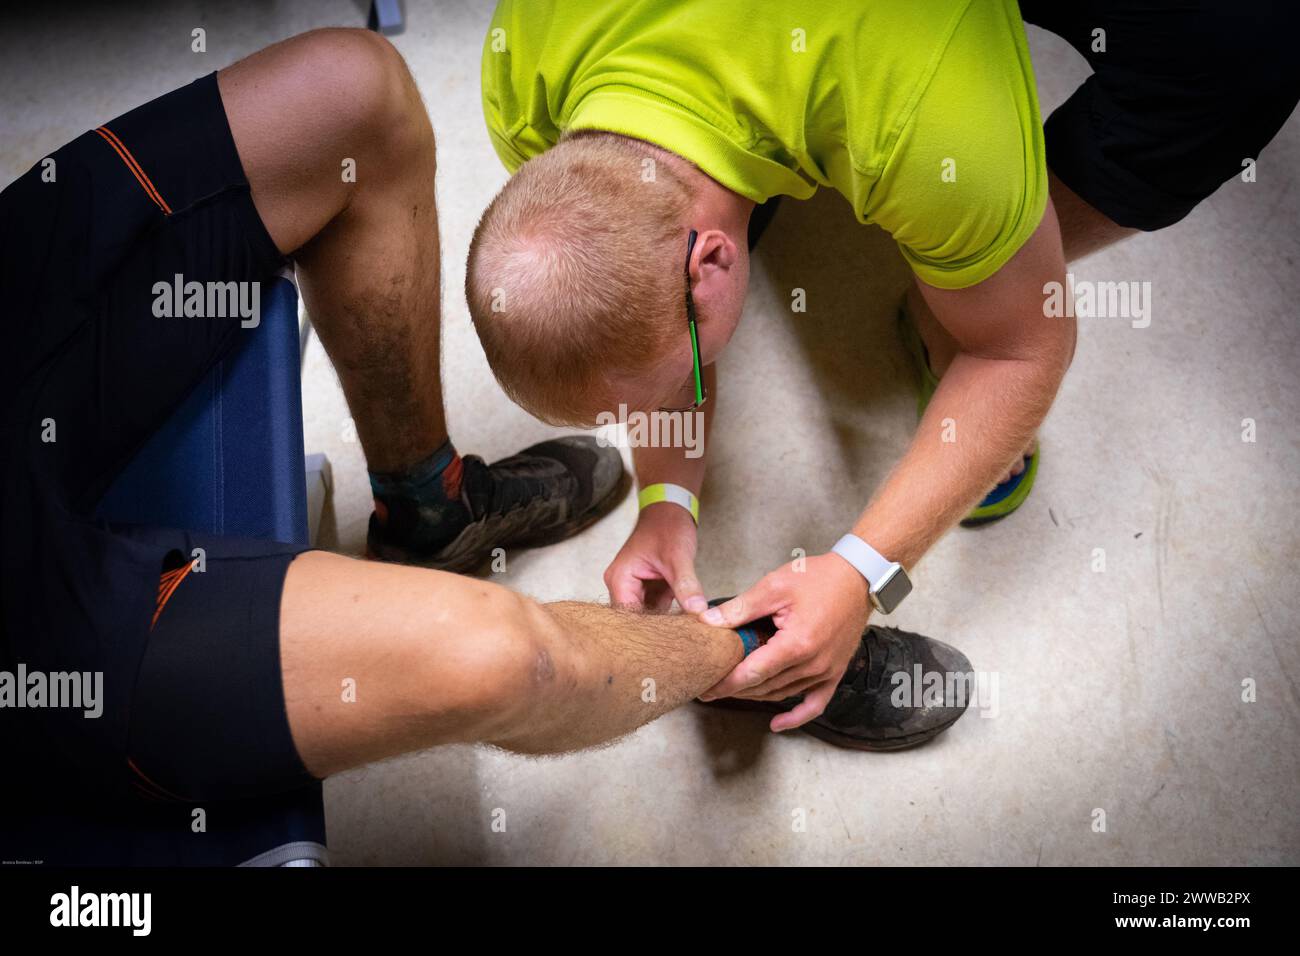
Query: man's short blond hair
column 575, row 273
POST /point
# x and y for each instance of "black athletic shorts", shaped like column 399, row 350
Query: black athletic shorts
column 1183, row 92
column 192, row 698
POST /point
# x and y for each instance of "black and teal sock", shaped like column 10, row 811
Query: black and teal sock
column 421, row 505
column 754, row 634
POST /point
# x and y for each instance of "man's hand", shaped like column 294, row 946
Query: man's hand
column 820, row 613
column 657, row 563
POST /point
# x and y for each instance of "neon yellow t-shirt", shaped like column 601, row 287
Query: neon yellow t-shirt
column 922, row 113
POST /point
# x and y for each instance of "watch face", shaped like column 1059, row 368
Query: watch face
column 892, row 590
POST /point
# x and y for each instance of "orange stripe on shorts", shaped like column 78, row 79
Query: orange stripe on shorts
column 167, row 587
column 125, row 155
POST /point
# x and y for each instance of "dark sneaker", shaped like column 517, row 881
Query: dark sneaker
column 872, row 709
column 542, row 495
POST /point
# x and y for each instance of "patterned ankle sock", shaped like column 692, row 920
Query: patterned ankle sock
column 421, row 504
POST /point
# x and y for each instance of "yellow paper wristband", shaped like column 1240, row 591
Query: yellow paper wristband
column 676, row 494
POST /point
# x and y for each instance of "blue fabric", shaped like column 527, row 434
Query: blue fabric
column 229, row 461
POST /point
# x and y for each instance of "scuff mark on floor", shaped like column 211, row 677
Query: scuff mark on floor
column 1272, row 646
column 1166, row 508
column 1132, row 679
column 1169, row 746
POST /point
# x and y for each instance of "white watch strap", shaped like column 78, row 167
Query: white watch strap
column 871, row 564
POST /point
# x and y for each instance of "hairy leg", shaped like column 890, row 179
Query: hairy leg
column 306, row 113
column 380, row 659
column 376, row 659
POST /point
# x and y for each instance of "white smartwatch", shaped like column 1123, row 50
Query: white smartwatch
column 889, row 583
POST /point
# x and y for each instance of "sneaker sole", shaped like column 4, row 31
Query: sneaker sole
column 835, row 737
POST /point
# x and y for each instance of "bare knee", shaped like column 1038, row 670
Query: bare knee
column 510, row 667
column 320, row 119
column 362, row 81
column 333, row 93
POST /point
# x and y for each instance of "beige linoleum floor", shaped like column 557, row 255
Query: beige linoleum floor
column 1119, row 690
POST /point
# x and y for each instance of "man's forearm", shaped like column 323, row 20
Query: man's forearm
column 992, row 397
column 678, row 464
column 655, row 465
column 984, row 412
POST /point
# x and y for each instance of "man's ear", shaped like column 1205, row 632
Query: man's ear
column 718, row 280
column 714, row 250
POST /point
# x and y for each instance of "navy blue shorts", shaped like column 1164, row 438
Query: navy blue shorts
column 192, row 697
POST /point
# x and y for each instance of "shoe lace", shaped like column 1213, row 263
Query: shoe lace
column 500, row 489
column 877, row 650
